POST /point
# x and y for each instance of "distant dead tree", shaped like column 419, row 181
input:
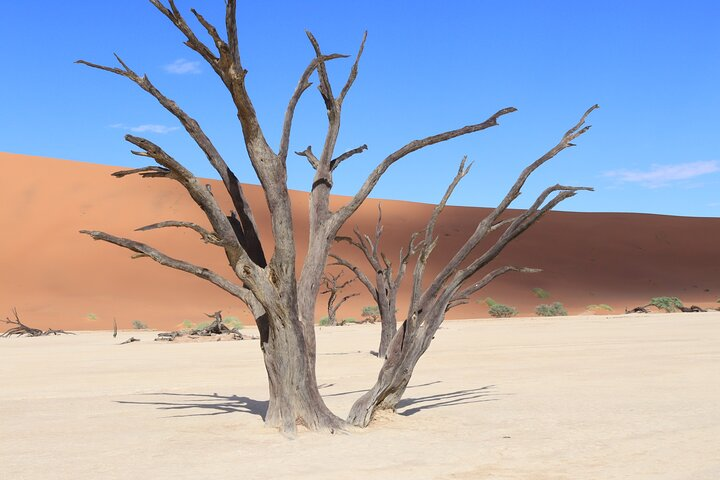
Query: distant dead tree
column 20, row 329
column 332, row 287
column 281, row 299
column 384, row 289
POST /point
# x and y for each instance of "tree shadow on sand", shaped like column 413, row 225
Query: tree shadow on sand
column 351, row 392
column 459, row 397
column 206, row 404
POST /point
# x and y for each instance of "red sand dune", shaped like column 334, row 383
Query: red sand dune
column 57, row 277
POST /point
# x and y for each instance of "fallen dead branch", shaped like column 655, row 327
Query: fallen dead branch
column 682, row 308
column 692, row 309
column 217, row 330
column 21, row 329
column 130, row 340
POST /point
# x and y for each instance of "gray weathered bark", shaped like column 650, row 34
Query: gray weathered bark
column 452, row 286
column 387, row 282
column 282, row 302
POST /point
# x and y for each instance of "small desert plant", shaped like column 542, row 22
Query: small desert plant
column 324, row 321
column 91, row 316
column 498, row 310
column 138, row 325
column 233, row 322
column 372, row 313
column 188, row 324
column 669, row 304
column 552, row 310
column 540, row 293
column 489, row 302
column 600, row 306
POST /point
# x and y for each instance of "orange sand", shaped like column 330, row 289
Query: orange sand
column 57, row 277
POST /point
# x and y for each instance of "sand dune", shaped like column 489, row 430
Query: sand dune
column 57, row 277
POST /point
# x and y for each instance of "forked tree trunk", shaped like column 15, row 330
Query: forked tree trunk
column 286, row 320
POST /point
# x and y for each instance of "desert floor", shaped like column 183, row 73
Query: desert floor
column 561, row 398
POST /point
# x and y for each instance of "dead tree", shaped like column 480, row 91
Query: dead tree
column 216, row 327
column 454, row 284
column 281, row 300
column 20, row 329
column 384, row 289
column 332, row 288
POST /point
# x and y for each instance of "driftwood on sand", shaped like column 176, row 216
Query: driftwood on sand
column 216, row 329
column 682, row 308
column 21, row 329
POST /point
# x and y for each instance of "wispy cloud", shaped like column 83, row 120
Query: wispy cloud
column 152, row 128
column 182, row 66
column 663, row 175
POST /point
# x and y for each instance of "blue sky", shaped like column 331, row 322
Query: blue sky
column 653, row 66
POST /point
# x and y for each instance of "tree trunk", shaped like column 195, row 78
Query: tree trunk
column 294, row 396
column 409, row 344
column 388, row 328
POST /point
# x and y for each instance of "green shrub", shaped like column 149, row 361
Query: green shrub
column 669, row 304
column 188, row 324
column 601, row 306
column 371, row 312
column 233, row 322
column 498, row 310
column 91, row 316
column 490, row 302
column 138, row 325
column 540, row 293
column 553, row 310
column 324, row 321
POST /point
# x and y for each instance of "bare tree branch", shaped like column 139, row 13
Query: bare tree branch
column 302, row 85
column 240, row 292
column 341, row 158
column 145, row 172
column 353, row 71
column 465, row 293
column 207, row 236
column 344, row 213
column 249, row 238
column 430, row 241
column 310, row 156
column 485, row 226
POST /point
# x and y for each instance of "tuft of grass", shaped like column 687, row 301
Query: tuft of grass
column 551, row 310
column 540, row 293
column 324, row 321
column 233, row 322
column 91, row 316
column 669, row 304
column 601, row 306
column 490, row 302
column 498, row 310
column 371, row 312
column 188, row 324
column 138, row 325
